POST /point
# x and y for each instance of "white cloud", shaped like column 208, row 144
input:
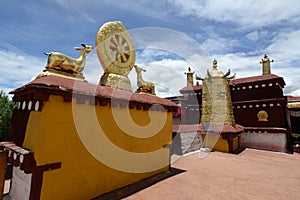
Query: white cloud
column 218, row 45
column 257, row 13
column 172, row 43
column 286, row 45
column 77, row 8
column 149, row 55
column 90, row 11
column 93, row 69
column 153, row 9
column 240, row 63
column 256, row 35
column 18, row 68
column 291, row 77
column 167, row 75
column 253, row 36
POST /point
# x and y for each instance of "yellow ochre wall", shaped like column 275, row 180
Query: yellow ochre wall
column 215, row 142
column 97, row 155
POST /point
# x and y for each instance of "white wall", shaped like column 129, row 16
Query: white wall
column 264, row 141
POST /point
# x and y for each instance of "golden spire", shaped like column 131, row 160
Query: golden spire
column 216, row 100
column 189, row 77
column 266, row 67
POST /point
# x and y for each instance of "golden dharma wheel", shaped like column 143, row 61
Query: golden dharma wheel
column 115, row 48
column 262, row 116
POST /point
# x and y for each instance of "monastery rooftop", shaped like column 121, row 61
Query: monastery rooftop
column 245, row 80
column 70, row 87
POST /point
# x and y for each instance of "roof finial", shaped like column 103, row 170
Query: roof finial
column 215, row 62
column 216, row 100
column 189, row 77
column 266, row 67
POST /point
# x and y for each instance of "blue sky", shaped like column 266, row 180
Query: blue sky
column 169, row 35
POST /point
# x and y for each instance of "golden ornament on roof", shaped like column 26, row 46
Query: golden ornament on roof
column 266, row 64
column 216, row 99
column 59, row 64
column 262, row 116
column 189, row 77
column 115, row 48
column 143, row 86
column 116, row 53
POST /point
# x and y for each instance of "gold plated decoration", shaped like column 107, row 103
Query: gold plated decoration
column 293, row 105
column 216, row 100
column 143, row 86
column 189, row 77
column 62, row 65
column 116, row 53
column 262, row 116
column 266, row 66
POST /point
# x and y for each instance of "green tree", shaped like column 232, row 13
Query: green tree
column 6, row 108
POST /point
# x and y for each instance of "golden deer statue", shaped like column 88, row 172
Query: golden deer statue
column 143, row 86
column 60, row 61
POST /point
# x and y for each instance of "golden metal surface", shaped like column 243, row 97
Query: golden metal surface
column 116, row 53
column 58, row 60
column 189, row 77
column 64, row 66
column 143, row 86
column 115, row 81
column 293, row 105
column 115, row 48
column 54, row 72
column 266, row 66
column 216, row 100
column 262, row 116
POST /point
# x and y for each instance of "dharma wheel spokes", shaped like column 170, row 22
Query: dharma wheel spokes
column 119, row 48
column 116, row 53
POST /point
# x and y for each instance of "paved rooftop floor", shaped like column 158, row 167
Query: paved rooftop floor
column 253, row 174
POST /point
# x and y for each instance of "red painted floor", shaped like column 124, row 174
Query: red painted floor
column 252, row 174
